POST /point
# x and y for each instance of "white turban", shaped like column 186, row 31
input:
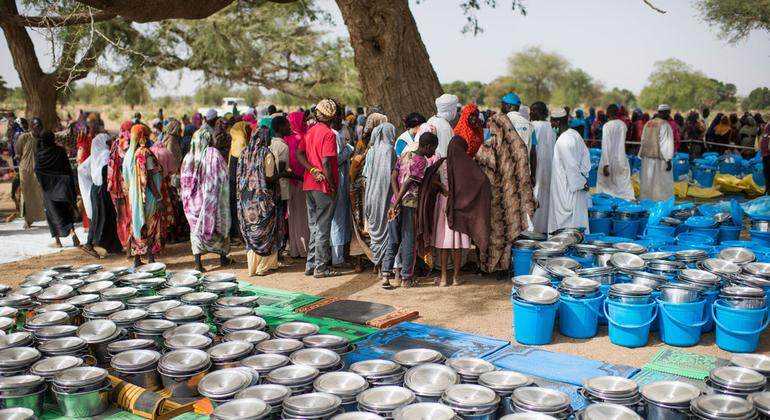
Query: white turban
column 558, row 112
column 446, row 105
column 211, row 114
column 664, row 107
column 524, row 111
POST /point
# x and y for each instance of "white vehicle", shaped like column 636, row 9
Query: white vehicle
column 227, row 106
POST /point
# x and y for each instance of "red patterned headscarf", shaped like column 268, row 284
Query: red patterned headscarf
column 473, row 134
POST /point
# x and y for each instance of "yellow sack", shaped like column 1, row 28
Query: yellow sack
column 700, row 192
column 680, row 189
column 729, row 183
column 751, row 187
column 635, row 184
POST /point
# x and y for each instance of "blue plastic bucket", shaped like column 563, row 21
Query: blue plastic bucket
column 704, row 176
column 625, row 228
column 680, row 323
column 660, row 231
column 760, row 238
column 629, row 325
column 600, row 225
column 532, row 323
column 604, row 289
column 578, row 318
column 729, row 233
column 711, row 297
column 738, row 329
column 522, row 261
column 712, row 233
column 655, row 326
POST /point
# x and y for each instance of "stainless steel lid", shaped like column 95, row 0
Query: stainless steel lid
column 740, row 378
column 135, row 360
column 614, row 386
column 721, row 267
column 758, row 269
column 385, row 398
column 15, row 339
column 226, row 314
column 82, row 299
column 127, row 278
column 184, row 313
column 104, row 307
column 17, row 413
column 98, row 331
column 430, row 379
column 64, row 344
column 538, row 293
column 326, row 341
column 199, row 298
column 225, row 383
column 249, row 322
column 505, row 381
column 470, row 366
column 656, row 255
column 14, row 357
column 525, row 244
column 296, row 329
column 230, row 350
column 753, row 361
column 540, row 399
column 630, row 247
column 630, row 289
column 154, row 268
column 414, row 357
column 279, row 345
column 153, row 326
column 670, row 393
column 321, row 359
column 469, row 396
column 175, row 292
column 719, row 406
column 241, row 409
column 55, row 331
column 272, row 394
column 46, row 319
column 131, row 344
column 55, row 292
column 342, row 384
column 251, row 336
column 158, row 308
column 357, row 415
column 220, row 276
column 28, row 290
column 184, row 361
column 229, row 301
column 607, row 411
column 6, row 324
column 527, row 279
column 118, row 293
column 183, row 280
column 375, row 368
column 690, row 254
column 742, row 291
column 292, row 375
column 105, row 275
column 188, row 341
column 189, row 328
column 16, row 301
column 221, row 287
column 312, row 404
column 80, row 376
column 265, row 362
column 699, row 276
column 761, row 401
column 60, row 268
column 527, row 416
column 89, row 268
column 627, row 261
column 424, row 411
column 51, row 366
column 63, row 307
column 148, row 284
column 579, row 285
column 189, row 272
column 19, row 382
column 737, row 255
column 7, row 311
column 96, row 287
column 127, row 316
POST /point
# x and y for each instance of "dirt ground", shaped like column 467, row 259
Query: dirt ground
column 482, row 305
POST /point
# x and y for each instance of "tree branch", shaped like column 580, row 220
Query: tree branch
column 58, row 21
column 653, row 7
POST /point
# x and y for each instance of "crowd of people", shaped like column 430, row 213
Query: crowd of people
column 337, row 187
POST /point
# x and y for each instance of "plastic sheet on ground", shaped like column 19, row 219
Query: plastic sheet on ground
column 731, row 183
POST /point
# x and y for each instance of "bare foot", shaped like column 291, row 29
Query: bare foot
column 443, row 282
column 456, row 281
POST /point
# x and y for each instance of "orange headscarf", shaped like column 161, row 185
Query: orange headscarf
column 140, row 131
column 473, row 134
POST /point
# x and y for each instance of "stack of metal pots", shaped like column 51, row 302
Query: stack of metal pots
column 612, row 389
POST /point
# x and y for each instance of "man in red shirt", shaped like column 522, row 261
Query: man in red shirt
column 318, row 154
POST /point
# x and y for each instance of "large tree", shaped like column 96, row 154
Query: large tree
column 676, row 83
column 577, row 88
column 537, row 73
column 736, row 18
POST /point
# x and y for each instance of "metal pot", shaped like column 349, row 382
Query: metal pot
column 384, row 400
column 185, row 314
column 322, row 359
column 16, row 339
column 630, row 247
column 414, row 357
column 603, row 411
column 98, row 334
column 182, row 370
column 221, row 288
column 604, row 275
column 17, row 413
column 471, row 401
column 679, row 293
column 152, row 329
column 284, row 346
column 760, row 225
column 542, row 400
column 157, row 309
column 298, row 378
column 379, row 372
column 236, row 301
column 579, row 287
column 504, row 382
column 17, row 360
column 155, row 268
column 225, row 314
column 469, row 368
column 229, row 354
column 315, row 405
column 117, row 347
column 138, row 367
column 200, row 328
column 188, row 341
column 756, row 362
column 346, row 385
column 736, row 381
column 55, row 331
column 335, row 343
column 25, row 391
column 101, row 310
column 66, row 346
column 630, row 293
column 426, row 410
column 265, row 363
column 296, row 330
column 761, row 401
column 612, row 389
column 183, row 280
column 669, row 400
column 428, row 381
column 273, row 395
column 718, row 407
column 126, row 318
column 242, row 409
column 52, row 366
column 221, row 386
column 250, row 322
column 737, row 255
column 741, row 297
column 220, row 276
column 55, row 294
column 174, row 293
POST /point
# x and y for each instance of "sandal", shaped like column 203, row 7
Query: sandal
column 326, row 274
column 90, row 251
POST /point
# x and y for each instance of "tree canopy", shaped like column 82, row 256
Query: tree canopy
column 467, row 92
column 537, row 73
column 758, row 98
column 575, row 88
column 676, row 83
column 736, row 18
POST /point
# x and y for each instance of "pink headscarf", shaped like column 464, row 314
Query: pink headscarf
column 197, row 119
column 249, row 118
column 298, row 130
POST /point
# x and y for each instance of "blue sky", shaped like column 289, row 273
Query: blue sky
column 616, row 41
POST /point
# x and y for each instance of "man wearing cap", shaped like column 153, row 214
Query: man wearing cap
column 570, row 199
column 511, row 105
column 446, row 114
column 656, row 179
column 209, row 120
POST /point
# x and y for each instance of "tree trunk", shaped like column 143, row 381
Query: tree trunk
column 41, row 102
column 393, row 64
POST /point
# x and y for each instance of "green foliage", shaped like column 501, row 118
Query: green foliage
column 211, row 94
column 736, row 18
column 468, row 92
column 496, row 89
column 4, row 90
column 618, row 96
column 679, row 85
column 537, row 73
column 758, row 98
column 576, row 88
column 134, row 91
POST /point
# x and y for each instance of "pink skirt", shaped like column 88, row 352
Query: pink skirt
column 443, row 236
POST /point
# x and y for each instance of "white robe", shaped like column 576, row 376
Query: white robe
column 618, row 184
column 656, row 183
column 546, row 140
column 523, row 127
column 444, row 132
column 569, row 198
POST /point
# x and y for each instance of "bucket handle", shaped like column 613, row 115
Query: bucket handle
column 588, row 305
column 653, row 317
column 732, row 331
column 662, row 306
